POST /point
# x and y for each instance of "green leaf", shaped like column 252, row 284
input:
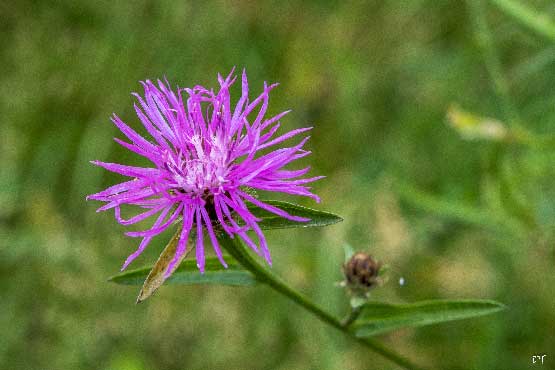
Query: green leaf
column 188, row 273
column 273, row 221
column 377, row 318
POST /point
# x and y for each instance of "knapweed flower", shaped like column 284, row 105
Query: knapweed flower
column 205, row 154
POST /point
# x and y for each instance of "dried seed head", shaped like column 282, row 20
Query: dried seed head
column 361, row 273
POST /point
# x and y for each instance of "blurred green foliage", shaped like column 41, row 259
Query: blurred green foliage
column 455, row 218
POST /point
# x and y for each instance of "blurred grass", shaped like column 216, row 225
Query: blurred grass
column 375, row 78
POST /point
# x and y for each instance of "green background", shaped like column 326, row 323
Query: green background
column 455, row 218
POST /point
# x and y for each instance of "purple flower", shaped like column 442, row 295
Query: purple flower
column 204, row 154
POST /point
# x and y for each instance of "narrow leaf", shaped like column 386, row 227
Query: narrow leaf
column 377, row 318
column 273, row 221
column 187, row 273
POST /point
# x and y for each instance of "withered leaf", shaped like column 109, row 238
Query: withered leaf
column 156, row 277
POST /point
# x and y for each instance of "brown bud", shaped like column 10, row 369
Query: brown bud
column 361, row 272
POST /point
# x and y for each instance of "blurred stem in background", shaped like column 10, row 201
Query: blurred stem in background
column 486, row 43
column 539, row 23
column 236, row 249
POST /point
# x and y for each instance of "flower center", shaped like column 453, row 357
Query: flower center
column 200, row 169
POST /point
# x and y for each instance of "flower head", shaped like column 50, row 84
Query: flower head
column 204, row 154
column 362, row 272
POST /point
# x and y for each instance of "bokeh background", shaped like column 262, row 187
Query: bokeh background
column 456, row 218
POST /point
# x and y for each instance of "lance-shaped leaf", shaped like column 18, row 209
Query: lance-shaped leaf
column 187, row 273
column 273, row 221
column 377, row 318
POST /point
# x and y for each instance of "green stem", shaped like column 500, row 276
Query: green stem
column 528, row 17
column 238, row 251
column 352, row 316
column 500, row 84
column 492, row 61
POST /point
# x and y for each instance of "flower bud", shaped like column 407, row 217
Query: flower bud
column 361, row 273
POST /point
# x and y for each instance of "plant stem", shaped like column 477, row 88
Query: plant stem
column 528, row 17
column 352, row 316
column 492, row 61
column 485, row 40
column 238, row 251
column 486, row 43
